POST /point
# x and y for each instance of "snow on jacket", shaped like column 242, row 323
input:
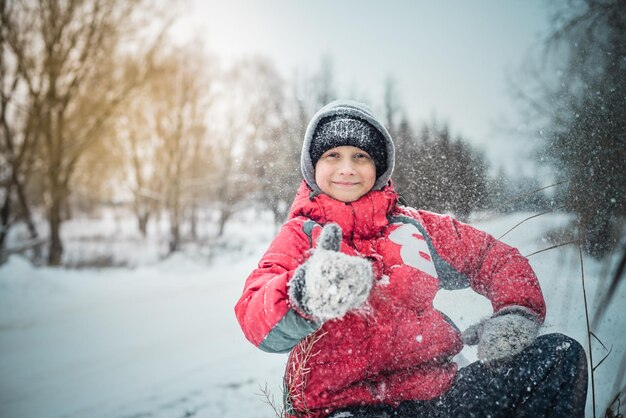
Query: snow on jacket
column 398, row 346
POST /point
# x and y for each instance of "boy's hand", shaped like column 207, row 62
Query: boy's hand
column 331, row 283
column 501, row 336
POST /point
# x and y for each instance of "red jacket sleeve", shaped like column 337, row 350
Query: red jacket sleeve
column 263, row 310
column 493, row 269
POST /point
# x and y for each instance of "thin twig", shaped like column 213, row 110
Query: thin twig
column 599, row 340
column 615, row 400
column 269, row 399
column 619, row 272
column 530, row 217
column 593, row 369
column 589, row 333
column 520, row 197
column 550, row 248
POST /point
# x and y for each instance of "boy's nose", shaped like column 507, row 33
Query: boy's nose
column 346, row 168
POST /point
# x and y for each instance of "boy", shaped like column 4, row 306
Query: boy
column 347, row 288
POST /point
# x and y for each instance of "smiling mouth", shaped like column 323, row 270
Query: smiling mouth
column 344, row 183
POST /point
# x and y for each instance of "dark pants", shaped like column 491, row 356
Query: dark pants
column 547, row 379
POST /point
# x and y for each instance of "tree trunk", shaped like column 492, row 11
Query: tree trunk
column 142, row 223
column 194, row 222
column 5, row 217
column 174, row 228
column 5, row 214
column 55, row 249
column 174, row 236
column 28, row 217
column 224, row 216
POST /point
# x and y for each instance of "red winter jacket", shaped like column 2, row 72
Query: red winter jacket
column 397, row 347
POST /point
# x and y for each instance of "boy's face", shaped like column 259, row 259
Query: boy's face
column 345, row 173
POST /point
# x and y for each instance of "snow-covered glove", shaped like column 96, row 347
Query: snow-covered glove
column 503, row 335
column 330, row 283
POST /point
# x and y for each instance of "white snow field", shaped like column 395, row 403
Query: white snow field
column 160, row 339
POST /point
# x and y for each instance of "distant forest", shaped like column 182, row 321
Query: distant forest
column 100, row 108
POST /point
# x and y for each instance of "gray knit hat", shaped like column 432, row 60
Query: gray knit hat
column 338, row 130
column 346, row 122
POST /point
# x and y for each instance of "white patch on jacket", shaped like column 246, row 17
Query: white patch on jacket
column 413, row 248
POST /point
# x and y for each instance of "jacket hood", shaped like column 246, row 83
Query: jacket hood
column 352, row 109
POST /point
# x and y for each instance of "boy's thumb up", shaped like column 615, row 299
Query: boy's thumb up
column 330, row 238
column 331, row 283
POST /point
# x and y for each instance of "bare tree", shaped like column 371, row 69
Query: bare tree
column 179, row 120
column 138, row 148
column 19, row 140
column 312, row 91
column 65, row 51
column 246, row 99
column 162, row 138
column 279, row 126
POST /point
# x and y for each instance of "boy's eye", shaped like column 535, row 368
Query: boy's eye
column 362, row 155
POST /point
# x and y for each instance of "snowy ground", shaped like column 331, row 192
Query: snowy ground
column 160, row 339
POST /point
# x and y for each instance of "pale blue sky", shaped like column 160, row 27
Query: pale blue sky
column 449, row 57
